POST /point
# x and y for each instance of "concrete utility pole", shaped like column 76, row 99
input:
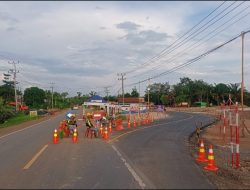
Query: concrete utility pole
column 52, row 83
column 122, row 79
column 107, row 92
column 14, row 72
column 242, row 71
column 148, row 92
column 139, row 99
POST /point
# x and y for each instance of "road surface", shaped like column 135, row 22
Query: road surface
column 154, row 156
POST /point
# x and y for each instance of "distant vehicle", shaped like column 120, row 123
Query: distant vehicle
column 183, row 104
column 20, row 106
column 75, row 107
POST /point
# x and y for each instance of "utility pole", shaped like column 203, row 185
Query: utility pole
column 148, row 92
column 52, row 83
column 107, row 92
column 242, row 87
column 242, row 70
column 122, row 79
column 14, row 72
column 139, row 100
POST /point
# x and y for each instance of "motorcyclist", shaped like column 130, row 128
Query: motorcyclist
column 90, row 127
column 72, row 124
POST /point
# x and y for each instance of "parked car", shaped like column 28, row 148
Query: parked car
column 75, row 107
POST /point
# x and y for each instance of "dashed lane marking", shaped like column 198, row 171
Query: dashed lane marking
column 27, row 166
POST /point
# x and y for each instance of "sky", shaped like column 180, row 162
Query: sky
column 84, row 46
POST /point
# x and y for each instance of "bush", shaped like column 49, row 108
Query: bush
column 5, row 114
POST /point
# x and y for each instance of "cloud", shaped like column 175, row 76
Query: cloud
column 90, row 42
column 128, row 26
column 146, row 36
column 103, row 28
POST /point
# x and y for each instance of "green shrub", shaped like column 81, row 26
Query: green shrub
column 5, row 114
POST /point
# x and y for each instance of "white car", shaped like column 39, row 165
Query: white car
column 75, row 108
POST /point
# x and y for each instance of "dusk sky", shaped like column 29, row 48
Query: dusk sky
column 80, row 46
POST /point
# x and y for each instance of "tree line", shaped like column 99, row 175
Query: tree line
column 192, row 91
column 186, row 90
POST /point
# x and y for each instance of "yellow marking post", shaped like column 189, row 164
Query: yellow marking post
column 27, row 166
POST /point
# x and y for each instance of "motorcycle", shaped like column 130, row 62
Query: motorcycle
column 72, row 128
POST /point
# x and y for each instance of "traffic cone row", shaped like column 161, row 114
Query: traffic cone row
column 104, row 132
column 201, row 157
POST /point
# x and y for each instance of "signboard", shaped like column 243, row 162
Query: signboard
column 33, row 113
column 69, row 114
column 99, row 114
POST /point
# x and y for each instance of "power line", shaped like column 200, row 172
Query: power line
column 204, row 36
column 195, row 33
column 163, row 51
column 192, row 60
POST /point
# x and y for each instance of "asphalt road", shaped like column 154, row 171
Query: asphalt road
column 160, row 154
column 147, row 157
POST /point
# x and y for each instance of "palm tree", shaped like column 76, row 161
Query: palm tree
column 234, row 90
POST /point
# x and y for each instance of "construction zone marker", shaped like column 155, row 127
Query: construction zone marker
column 105, row 134
column 75, row 136
column 55, row 137
column 110, row 127
column 134, row 123
column 201, row 154
column 211, row 163
column 129, row 125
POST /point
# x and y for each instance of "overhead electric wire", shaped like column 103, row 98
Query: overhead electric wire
column 169, row 50
column 192, row 60
column 233, row 17
column 198, row 30
column 149, row 61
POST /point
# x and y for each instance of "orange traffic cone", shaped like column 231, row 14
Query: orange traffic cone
column 201, row 154
column 110, row 127
column 134, row 123
column 55, row 137
column 105, row 134
column 139, row 121
column 75, row 136
column 211, row 163
column 129, row 123
column 101, row 130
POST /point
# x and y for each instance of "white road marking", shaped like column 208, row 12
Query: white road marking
column 134, row 174
column 23, row 129
column 27, row 166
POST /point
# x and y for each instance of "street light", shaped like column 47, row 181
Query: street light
column 148, row 98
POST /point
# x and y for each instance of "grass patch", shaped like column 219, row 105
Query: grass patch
column 17, row 119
